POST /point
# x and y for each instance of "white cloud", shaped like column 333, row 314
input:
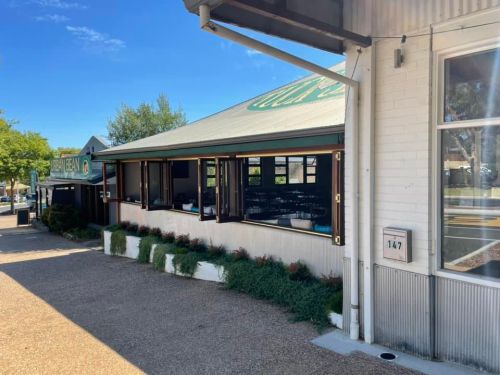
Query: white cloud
column 95, row 41
column 59, row 4
column 252, row 52
column 56, row 18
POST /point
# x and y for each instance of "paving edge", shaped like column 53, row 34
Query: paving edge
column 338, row 342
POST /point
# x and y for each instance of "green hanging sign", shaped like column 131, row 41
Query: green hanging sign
column 71, row 167
column 306, row 91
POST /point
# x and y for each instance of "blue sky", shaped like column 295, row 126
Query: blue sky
column 66, row 66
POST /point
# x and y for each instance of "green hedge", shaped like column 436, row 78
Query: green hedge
column 118, row 242
column 61, row 218
column 307, row 300
column 187, row 263
column 159, row 256
column 145, row 248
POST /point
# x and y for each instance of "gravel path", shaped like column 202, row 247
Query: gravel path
column 111, row 315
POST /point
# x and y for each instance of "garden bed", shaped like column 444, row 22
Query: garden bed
column 292, row 286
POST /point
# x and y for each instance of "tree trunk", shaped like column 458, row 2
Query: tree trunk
column 12, row 183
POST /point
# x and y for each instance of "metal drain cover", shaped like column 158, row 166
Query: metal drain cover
column 388, row 356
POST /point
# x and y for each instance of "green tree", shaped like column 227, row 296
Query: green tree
column 20, row 153
column 60, row 151
column 146, row 120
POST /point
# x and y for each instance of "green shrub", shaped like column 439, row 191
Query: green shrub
column 335, row 303
column 240, row 254
column 333, row 282
column 143, row 231
column 182, row 240
column 60, row 218
column 132, row 228
column 216, row 251
column 159, row 256
column 155, row 232
column 124, row 224
column 113, row 227
column 308, row 301
column 145, row 248
column 84, row 234
column 187, row 263
column 45, row 217
column 169, row 237
column 197, row 245
column 298, row 271
column 118, row 242
column 264, row 261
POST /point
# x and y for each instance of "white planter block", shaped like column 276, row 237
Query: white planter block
column 209, row 272
column 132, row 251
column 336, row 319
column 169, row 264
column 107, row 242
column 204, row 271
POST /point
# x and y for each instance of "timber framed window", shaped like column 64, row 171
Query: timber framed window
column 254, row 171
column 207, row 197
column 294, row 170
column 132, row 177
column 157, row 185
column 295, row 192
column 469, row 142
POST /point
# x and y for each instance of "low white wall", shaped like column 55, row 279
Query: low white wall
column 107, row 242
column 317, row 252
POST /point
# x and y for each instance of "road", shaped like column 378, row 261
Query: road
column 6, row 208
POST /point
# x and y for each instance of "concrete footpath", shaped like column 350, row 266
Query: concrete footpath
column 69, row 310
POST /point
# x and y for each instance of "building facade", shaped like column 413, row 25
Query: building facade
column 416, row 221
column 77, row 181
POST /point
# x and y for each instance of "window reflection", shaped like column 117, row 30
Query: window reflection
column 472, row 86
column 471, row 200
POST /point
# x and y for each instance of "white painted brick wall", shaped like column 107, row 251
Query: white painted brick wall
column 401, row 149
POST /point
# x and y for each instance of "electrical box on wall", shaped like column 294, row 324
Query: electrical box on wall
column 397, row 244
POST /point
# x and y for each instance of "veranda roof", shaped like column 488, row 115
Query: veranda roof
column 314, row 105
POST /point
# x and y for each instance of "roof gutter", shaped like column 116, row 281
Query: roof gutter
column 207, row 25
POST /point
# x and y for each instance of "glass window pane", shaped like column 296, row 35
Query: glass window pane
column 111, row 181
column 254, row 181
column 211, row 171
column 311, row 160
column 280, row 160
column 311, row 170
column 280, row 170
column 132, row 182
column 301, row 206
column 471, row 200
column 254, row 161
column 296, row 170
column 472, row 86
column 155, row 194
column 211, row 182
column 280, row 180
column 311, row 179
column 254, row 171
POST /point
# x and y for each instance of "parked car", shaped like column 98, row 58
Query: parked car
column 5, row 198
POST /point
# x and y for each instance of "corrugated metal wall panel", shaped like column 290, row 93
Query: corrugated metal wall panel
column 346, row 306
column 468, row 324
column 402, row 310
column 395, row 17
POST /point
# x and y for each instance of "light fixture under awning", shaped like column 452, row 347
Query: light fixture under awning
column 317, row 23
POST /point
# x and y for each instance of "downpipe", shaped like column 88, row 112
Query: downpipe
column 207, row 25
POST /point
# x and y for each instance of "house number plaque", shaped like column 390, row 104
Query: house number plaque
column 397, row 244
